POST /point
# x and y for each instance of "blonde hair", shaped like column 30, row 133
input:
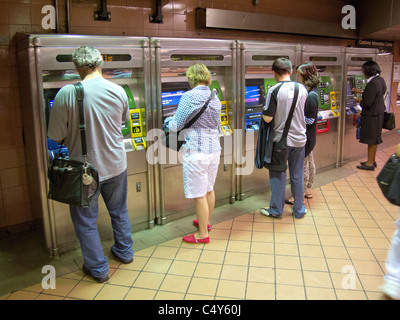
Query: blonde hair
column 198, row 73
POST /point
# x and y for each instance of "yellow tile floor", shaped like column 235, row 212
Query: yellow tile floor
column 337, row 251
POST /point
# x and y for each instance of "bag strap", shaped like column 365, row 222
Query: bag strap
column 82, row 127
column 194, row 119
column 289, row 118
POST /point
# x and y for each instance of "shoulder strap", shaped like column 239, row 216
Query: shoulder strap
column 316, row 94
column 82, row 127
column 289, row 118
column 194, row 119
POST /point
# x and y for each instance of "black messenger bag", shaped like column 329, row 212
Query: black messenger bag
column 279, row 149
column 73, row 182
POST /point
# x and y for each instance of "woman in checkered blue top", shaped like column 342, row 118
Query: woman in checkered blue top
column 201, row 150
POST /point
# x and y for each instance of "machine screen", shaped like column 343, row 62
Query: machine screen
column 170, row 101
column 171, row 93
column 253, row 100
column 51, row 103
column 171, row 98
column 252, row 96
column 348, row 88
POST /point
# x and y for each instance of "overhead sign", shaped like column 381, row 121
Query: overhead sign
column 382, row 45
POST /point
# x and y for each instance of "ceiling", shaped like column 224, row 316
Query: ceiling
column 388, row 34
column 378, row 20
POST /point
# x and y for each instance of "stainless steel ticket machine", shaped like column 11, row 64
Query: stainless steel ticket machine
column 329, row 62
column 45, row 65
column 172, row 58
column 353, row 78
column 256, row 77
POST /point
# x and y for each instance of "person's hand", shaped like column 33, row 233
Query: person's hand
column 398, row 151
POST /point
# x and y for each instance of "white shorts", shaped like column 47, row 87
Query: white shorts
column 199, row 172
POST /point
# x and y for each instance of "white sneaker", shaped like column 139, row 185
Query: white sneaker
column 265, row 212
column 391, row 290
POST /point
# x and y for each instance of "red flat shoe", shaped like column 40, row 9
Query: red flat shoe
column 192, row 239
column 196, row 224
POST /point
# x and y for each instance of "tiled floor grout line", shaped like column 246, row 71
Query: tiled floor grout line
column 274, row 237
column 341, row 237
column 223, row 261
column 194, row 271
column 346, row 248
column 169, row 268
column 66, row 296
column 249, row 261
column 298, row 247
column 363, row 236
column 344, row 243
column 140, row 272
column 336, row 223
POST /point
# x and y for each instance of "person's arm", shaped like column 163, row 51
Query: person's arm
column 355, row 90
column 267, row 119
column 311, row 108
column 58, row 121
column 369, row 95
column 183, row 111
column 271, row 102
column 125, row 107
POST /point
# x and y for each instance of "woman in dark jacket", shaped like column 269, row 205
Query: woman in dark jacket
column 373, row 107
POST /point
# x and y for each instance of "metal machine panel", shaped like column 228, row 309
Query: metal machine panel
column 256, row 59
column 354, row 59
column 329, row 62
column 184, row 52
column 265, row 53
column 172, row 58
column 137, row 208
column 49, row 68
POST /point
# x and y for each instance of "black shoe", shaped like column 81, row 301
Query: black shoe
column 287, row 201
column 124, row 261
column 88, row 273
column 363, row 163
column 365, row 167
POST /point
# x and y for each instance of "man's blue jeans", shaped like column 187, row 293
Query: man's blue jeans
column 277, row 182
column 114, row 193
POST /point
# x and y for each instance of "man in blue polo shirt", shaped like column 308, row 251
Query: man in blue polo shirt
column 277, row 106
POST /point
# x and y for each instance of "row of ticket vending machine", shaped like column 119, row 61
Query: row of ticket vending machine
column 152, row 73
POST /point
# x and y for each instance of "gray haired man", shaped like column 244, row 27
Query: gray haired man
column 105, row 108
